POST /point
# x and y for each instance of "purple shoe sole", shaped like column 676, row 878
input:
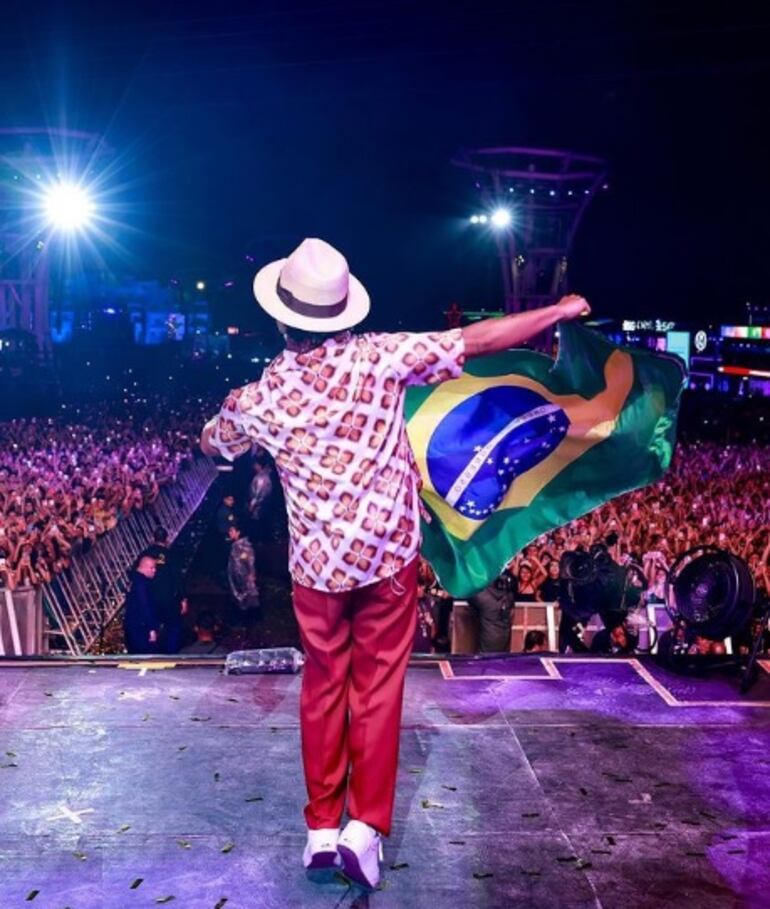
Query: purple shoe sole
column 322, row 868
column 352, row 869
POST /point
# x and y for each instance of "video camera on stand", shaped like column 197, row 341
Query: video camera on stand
column 593, row 582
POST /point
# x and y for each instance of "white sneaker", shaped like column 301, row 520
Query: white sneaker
column 360, row 849
column 320, row 857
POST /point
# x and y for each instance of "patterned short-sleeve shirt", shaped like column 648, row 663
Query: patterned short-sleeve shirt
column 333, row 420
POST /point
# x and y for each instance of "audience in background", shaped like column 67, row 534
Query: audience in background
column 713, row 494
column 65, row 482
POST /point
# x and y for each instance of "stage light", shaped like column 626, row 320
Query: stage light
column 483, row 219
column 474, row 219
column 501, row 218
column 200, row 285
column 68, row 207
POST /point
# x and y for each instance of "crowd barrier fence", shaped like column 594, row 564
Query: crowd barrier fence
column 69, row 614
column 546, row 617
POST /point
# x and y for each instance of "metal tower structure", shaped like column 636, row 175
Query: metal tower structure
column 28, row 157
column 547, row 193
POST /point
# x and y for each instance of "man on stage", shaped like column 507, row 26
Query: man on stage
column 167, row 588
column 141, row 620
column 329, row 409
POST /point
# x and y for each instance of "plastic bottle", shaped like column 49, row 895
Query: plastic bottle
column 269, row 659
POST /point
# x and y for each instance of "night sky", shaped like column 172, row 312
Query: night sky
column 242, row 129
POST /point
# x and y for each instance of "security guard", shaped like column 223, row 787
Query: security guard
column 167, row 591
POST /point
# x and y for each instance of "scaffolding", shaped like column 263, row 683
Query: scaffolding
column 547, row 192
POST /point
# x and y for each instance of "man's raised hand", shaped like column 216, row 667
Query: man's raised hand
column 573, row 306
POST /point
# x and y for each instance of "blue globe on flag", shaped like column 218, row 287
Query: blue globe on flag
column 484, row 443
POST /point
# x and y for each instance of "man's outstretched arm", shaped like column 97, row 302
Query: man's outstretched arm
column 493, row 335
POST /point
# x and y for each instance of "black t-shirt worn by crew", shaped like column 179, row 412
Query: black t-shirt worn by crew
column 166, row 586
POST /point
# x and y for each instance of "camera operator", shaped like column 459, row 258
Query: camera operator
column 572, row 623
column 594, row 583
column 616, row 638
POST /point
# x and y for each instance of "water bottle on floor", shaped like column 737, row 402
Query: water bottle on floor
column 269, row 659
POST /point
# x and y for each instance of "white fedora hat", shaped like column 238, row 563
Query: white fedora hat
column 312, row 289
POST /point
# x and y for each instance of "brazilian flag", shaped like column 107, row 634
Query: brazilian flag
column 521, row 444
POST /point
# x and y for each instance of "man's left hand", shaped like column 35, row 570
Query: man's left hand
column 573, row 306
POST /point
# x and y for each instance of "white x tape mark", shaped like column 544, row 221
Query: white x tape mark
column 67, row 814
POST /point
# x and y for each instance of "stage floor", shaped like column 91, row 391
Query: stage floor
column 525, row 782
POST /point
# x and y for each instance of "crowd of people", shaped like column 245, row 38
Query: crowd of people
column 713, row 494
column 66, row 480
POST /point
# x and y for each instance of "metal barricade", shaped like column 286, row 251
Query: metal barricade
column 525, row 616
column 21, row 621
column 81, row 601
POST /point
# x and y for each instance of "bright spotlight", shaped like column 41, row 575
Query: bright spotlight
column 68, row 206
column 501, row 217
column 474, row 219
column 483, row 219
column 200, row 285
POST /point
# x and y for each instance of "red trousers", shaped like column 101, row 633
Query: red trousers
column 357, row 645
